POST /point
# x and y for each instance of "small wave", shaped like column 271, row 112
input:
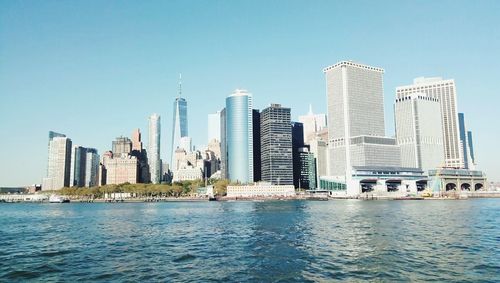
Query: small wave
column 185, row 257
column 22, row 274
column 55, row 253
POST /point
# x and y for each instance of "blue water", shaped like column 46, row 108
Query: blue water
column 280, row 241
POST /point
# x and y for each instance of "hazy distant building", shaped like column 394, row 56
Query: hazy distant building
column 239, row 137
column 223, row 145
column 179, row 123
column 276, row 145
column 445, row 92
column 59, row 162
column 313, row 123
column 215, row 146
column 154, row 148
column 465, row 143
column 186, row 144
column 213, row 127
column 419, row 132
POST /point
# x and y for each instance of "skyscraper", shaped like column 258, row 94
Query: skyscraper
column 136, row 140
column 297, row 143
column 154, row 148
column 223, row 145
column 418, row 131
column 445, row 92
column 313, row 123
column 91, row 168
column 78, row 166
column 180, row 123
column 213, row 128
column 122, row 146
column 356, row 119
column 239, row 137
column 59, row 162
column 470, row 145
column 257, row 172
column 276, row 145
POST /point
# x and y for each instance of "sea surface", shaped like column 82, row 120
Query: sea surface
column 273, row 241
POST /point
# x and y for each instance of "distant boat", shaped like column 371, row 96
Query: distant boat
column 57, row 199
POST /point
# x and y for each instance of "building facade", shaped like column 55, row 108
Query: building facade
column 356, row 129
column 445, row 92
column 260, row 190
column 239, row 137
column 180, row 124
column 154, row 148
column 419, row 132
column 91, row 168
column 313, row 123
column 276, row 145
column 213, row 127
column 59, row 162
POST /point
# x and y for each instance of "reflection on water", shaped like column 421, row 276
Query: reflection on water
column 252, row 241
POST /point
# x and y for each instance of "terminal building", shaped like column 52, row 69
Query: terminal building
column 261, row 189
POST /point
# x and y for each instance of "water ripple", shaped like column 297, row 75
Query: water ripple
column 282, row 241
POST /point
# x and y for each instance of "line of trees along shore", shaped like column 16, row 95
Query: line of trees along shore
column 176, row 189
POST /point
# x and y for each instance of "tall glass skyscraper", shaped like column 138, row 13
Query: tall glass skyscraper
column 59, row 162
column 239, row 136
column 154, row 148
column 180, row 124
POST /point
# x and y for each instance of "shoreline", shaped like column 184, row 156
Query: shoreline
column 259, row 199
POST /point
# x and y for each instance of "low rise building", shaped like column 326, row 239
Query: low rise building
column 262, row 189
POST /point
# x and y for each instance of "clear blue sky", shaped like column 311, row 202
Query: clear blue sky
column 95, row 70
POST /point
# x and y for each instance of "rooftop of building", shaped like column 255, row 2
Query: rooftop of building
column 240, row 92
column 423, row 81
column 353, row 64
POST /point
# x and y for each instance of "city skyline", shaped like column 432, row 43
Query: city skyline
column 155, row 83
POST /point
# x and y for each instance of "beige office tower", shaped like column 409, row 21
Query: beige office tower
column 356, row 119
column 445, row 92
column 136, row 140
column 418, row 131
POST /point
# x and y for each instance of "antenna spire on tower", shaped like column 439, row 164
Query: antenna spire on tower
column 180, row 85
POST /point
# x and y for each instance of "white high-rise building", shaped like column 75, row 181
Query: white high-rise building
column 356, row 120
column 154, row 148
column 186, row 143
column 419, row 132
column 445, row 92
column 59, row 162
column 313, row 123
column 213, row 126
